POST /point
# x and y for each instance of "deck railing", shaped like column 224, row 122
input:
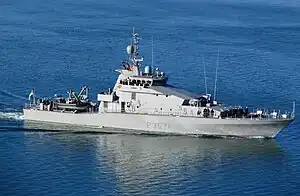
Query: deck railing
column 252, row 115
column 152, row 111
column 30, row 105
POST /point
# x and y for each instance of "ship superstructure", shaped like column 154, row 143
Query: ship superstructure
column 143, row 101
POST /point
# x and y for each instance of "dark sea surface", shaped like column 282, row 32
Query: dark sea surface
column 53, row 46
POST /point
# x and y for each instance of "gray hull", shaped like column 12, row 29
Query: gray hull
column 163, row 124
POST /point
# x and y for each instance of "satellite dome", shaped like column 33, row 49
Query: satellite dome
column 130, row 49
column 147, row 70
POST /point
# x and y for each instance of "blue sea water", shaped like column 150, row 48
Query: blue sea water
column 56, row 45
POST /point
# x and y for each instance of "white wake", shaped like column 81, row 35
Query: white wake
column 11, row 116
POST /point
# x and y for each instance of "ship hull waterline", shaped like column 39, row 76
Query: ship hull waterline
column 155, row 124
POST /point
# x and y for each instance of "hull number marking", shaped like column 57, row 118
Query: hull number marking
column 159, row 126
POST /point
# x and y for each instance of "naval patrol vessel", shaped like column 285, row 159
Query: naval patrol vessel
column 142, row 101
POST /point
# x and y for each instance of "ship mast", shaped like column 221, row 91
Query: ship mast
column 135, row 58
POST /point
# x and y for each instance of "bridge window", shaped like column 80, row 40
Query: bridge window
column 186, row 102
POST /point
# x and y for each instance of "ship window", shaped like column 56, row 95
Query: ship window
column 148, row 82
column 167, row 95
column 186, row 102
column 133, row 96
column 105, row 104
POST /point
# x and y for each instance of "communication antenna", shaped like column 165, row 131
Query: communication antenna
column 152, row 64
column 132, row 35
column 294, row 109
column 216, row 75
column 204, row 70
